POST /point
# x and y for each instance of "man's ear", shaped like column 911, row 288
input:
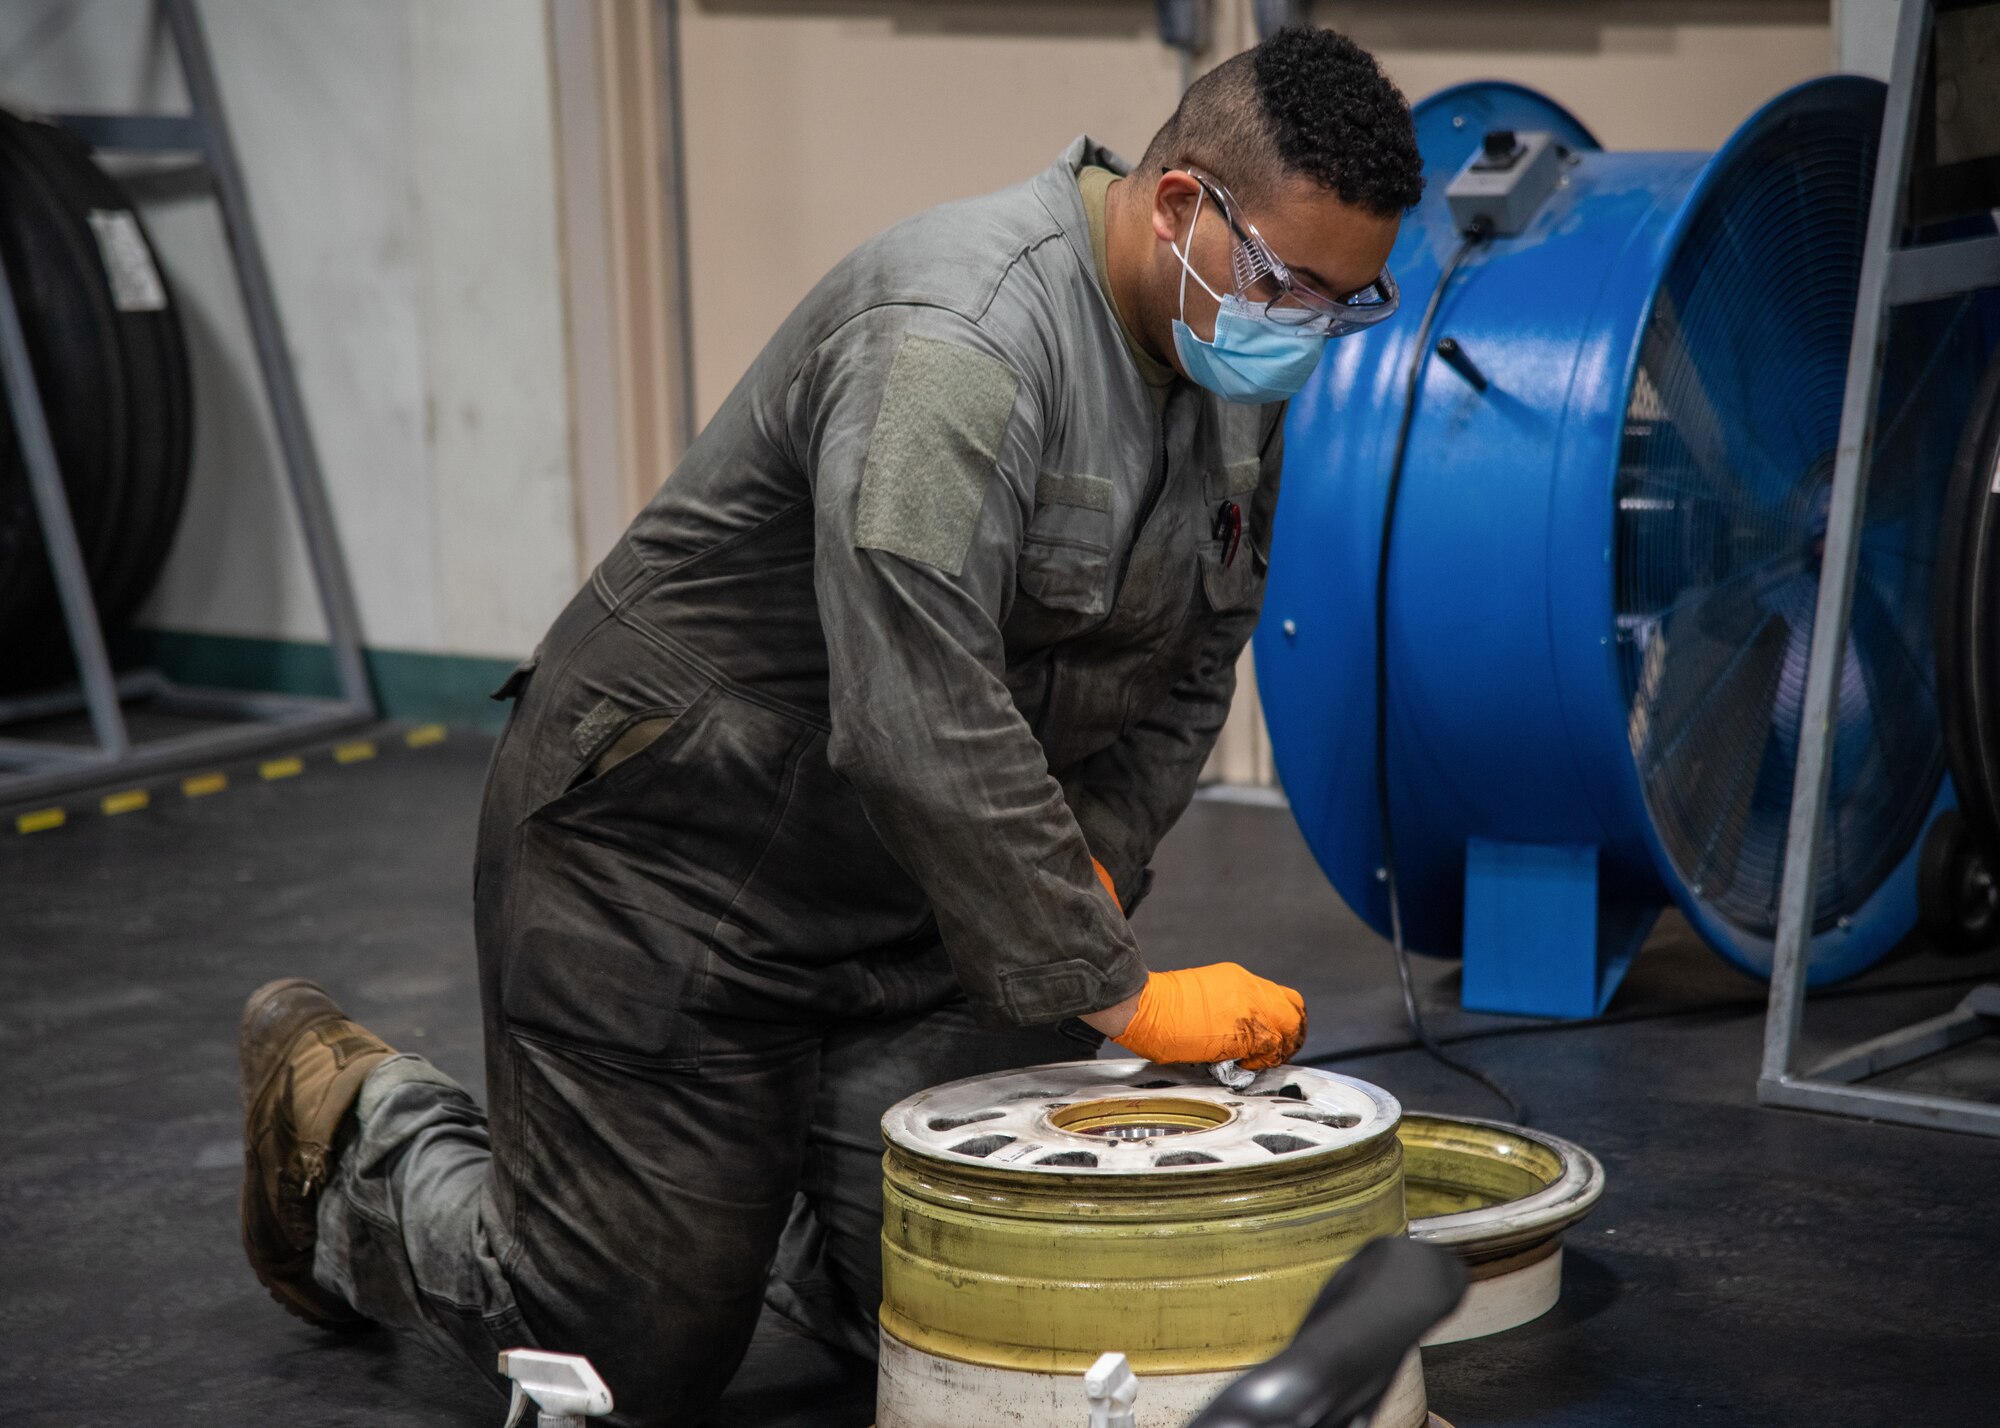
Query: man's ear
column 1174, row 197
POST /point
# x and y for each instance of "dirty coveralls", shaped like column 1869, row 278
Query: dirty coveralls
column 934, row 609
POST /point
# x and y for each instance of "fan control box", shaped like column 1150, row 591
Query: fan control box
column 1505, row 181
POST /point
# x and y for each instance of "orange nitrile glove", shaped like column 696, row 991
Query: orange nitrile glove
column 1105, row 878
column 1221, row 1012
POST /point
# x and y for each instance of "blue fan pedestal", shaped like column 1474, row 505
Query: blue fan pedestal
column 1602, row 582
column 1538, row 939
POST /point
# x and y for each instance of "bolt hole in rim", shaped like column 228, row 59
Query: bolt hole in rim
column 945, row 1123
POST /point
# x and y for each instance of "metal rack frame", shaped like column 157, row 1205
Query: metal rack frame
column 256, row 721
column 1891, row 276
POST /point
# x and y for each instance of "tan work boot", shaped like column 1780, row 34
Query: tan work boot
column 303, row 1065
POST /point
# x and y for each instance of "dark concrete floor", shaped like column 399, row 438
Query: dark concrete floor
column 1745, row 1267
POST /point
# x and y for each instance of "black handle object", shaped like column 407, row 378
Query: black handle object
column 1372, row 1312
column 1460, row 361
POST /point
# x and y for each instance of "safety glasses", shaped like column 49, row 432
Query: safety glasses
column 1288, row 300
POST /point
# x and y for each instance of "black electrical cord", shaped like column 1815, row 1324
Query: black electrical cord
column 1721, row 1006
column 1473, row 237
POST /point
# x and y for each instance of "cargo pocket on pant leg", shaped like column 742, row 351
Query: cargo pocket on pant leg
column 603, row 958
column 632, row 871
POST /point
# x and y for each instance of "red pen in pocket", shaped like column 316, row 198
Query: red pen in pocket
column 1228, row 530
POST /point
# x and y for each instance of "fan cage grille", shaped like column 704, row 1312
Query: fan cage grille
column 1724, row 477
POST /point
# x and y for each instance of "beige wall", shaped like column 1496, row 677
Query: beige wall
column 811, row 124
column 1658, row 75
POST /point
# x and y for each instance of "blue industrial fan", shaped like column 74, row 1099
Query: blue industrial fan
column 1601, row 586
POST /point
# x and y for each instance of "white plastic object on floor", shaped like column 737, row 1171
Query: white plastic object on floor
column 565, row 1388
column 1112, row 1388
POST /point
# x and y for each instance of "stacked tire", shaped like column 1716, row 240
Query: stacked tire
column 1959, row 877
column 110, row 358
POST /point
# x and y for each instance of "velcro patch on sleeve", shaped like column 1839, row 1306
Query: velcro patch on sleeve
column 1092, row 493
column 936, row 440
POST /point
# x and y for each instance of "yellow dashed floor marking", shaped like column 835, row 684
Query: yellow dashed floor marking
column 131, row 800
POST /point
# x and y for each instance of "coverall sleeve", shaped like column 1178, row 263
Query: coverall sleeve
column 1129, row 795
column 922, row 435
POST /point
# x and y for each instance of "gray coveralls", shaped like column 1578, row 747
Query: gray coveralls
column 934, row 609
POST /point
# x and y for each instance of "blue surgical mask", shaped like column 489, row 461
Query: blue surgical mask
column 1251, row 358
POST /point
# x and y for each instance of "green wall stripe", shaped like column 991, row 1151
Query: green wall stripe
column 409, row 684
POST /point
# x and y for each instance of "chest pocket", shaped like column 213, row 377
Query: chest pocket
column 1066, row 552
column 1231, row 576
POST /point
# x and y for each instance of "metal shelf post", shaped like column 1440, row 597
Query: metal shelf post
column 1891, row 276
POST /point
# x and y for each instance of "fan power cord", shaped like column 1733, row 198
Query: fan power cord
column 1413, row 379
column 1720, row 1007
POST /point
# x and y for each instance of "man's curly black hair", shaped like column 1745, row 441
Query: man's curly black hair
column 1305, row 103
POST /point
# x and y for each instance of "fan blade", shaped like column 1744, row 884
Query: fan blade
column 1684, row 400
column 1707, row 771
column 1699, row 381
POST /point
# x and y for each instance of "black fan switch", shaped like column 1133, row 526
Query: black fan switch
column 1501, row 149
column 1506, row 180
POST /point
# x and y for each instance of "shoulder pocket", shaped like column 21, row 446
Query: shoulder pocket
column 1066, row 552
column 1230, row 573
column 1230, row 587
